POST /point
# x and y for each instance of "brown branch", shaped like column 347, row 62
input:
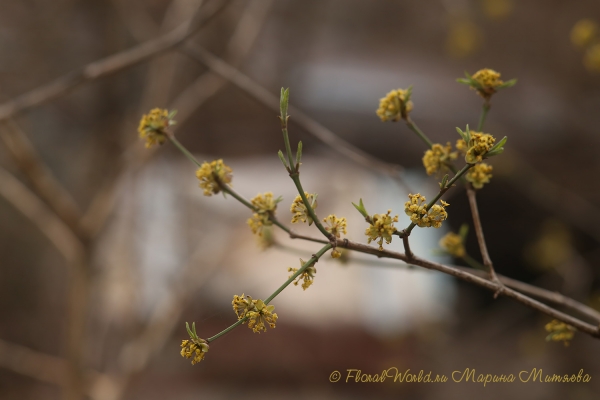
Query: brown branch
column 547, row 295
column 37, row 365
column 496, row 287
column 41, row 177
column 107, row 66
column 30, row 205
column 271, row 101
column 479, row 233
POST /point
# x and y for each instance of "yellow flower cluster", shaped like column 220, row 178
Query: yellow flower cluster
column 475, row 150
column 584, row 32
column 437, row 158
column 195, row 349
column 299, row 209
column 382, row 227
column 306, row 277
column 584, row 35
column 559, row 331
column 213, row 175
column 335, row 225
column 416, row 209
column 453, row 245
column 487, row 78
column 479, row 175
column 591, row 60
column 258, row 314
column 153, row 126
column 395, row 105
column 264, row 206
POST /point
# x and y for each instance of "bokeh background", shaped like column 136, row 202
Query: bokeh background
column 161, row 254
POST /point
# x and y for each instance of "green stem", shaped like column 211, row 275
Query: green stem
column 473, row 263
column 184, row 150
column 484, row 111
column 288, row 149
column 441, row 193
column 307, row 264
column 232, row 327
column 413, row 127
column 225, row 188
column 296, row 178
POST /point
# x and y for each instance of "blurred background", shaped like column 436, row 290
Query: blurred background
column 106, row 248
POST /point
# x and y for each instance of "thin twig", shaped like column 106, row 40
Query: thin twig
column 487, row 261
column 540, row 293
column 54, row 228
column 106, row 66
column 271, row 101
column 496, row 287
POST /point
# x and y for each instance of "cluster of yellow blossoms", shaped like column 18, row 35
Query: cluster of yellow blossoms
column 584, row 35
column 437, row 158
column 195, row 349
column 299, row 209
column 479, row 175
column 256, row 312
column 559, row 331
column 488, row 81
column 336, row 226
column 307, row 276
column 453, row 245
column 382, row 227
column 395, row 105
column 153, row 126
column 420, row 215
column 479, row 144
column 213, row 175
column 264, row 206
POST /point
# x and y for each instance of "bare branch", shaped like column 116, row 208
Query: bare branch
column 108, row 65
column 271, row 101
column 59, row 234
column 496, row 287
column 479, row 233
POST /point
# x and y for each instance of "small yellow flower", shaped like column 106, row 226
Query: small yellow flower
column 307, row 276
column 261, row 316
column 584, row 32
column 591, row 59
column 195, row 349
column 437, row 158
column 416, row 209
column 475, row 150
column 336, row 253
column 497, row 9
column 382, row 227
column 256, row 311
column 479, row 175
column 464, row 37
column 335, row 225
column 488, row 78
column 241, row 305
column 453, row 245
column 153, row 126
column 559, row 331
column 395, row 105
column 299, row 209
column 264, row 206
column 213, row 175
